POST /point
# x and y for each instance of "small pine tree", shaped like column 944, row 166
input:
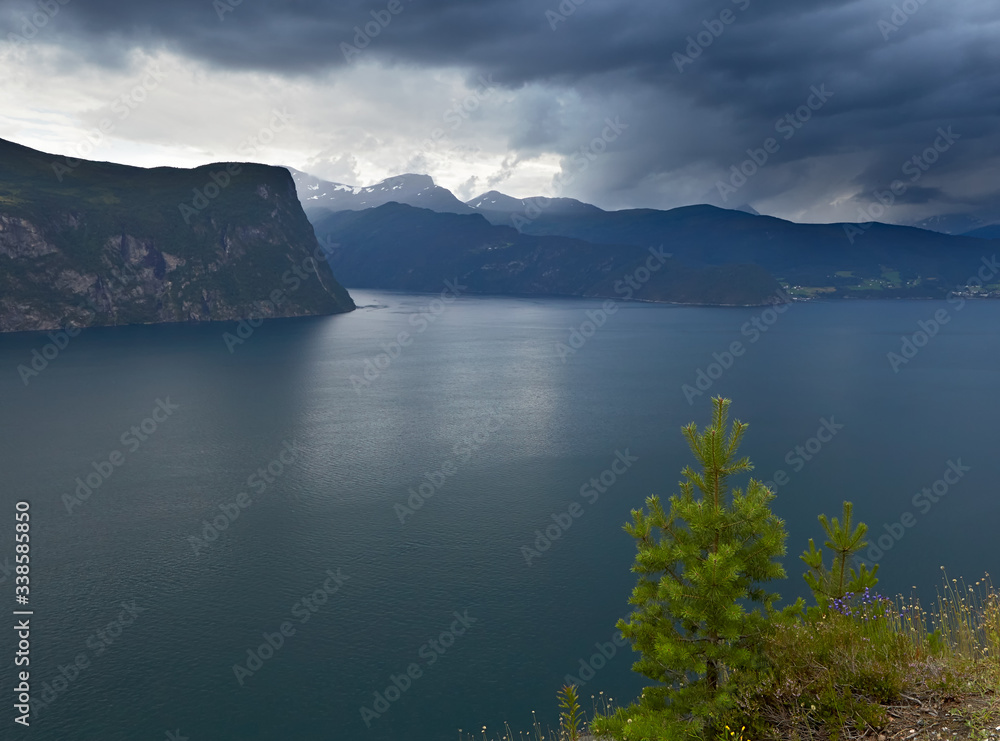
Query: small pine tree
column 700, row 566
column 845, row 541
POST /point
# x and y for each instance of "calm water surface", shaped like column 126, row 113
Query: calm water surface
column 142, row 609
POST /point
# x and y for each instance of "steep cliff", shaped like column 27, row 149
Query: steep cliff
column 91, row 243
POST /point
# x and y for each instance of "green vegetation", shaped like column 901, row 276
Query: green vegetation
column 891, row 275
column 869, row 283
column 856, row 663
column 700, row 564
column 811, row 291
column 570, row 717
column 853, row 665
column 834, row 582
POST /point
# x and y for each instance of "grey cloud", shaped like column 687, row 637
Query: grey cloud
column 896, row 77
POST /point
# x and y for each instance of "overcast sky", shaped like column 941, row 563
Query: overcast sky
column 621, row 103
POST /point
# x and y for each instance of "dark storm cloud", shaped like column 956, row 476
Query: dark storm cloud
column 698, row 82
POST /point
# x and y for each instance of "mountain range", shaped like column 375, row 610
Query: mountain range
column 402, row 247
column 321, row 197
column 870, row 260
column 93, row 243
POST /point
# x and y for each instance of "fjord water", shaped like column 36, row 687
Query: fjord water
column 482, row 388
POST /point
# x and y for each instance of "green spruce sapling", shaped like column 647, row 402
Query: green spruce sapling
column 701, row 566
column 834, row 582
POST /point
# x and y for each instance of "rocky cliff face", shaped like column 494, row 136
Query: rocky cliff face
column 90, row 244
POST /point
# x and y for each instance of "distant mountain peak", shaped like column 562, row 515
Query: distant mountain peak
column 501, row 209
column 409, row 179
column 493, row 199
column 322, row 197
